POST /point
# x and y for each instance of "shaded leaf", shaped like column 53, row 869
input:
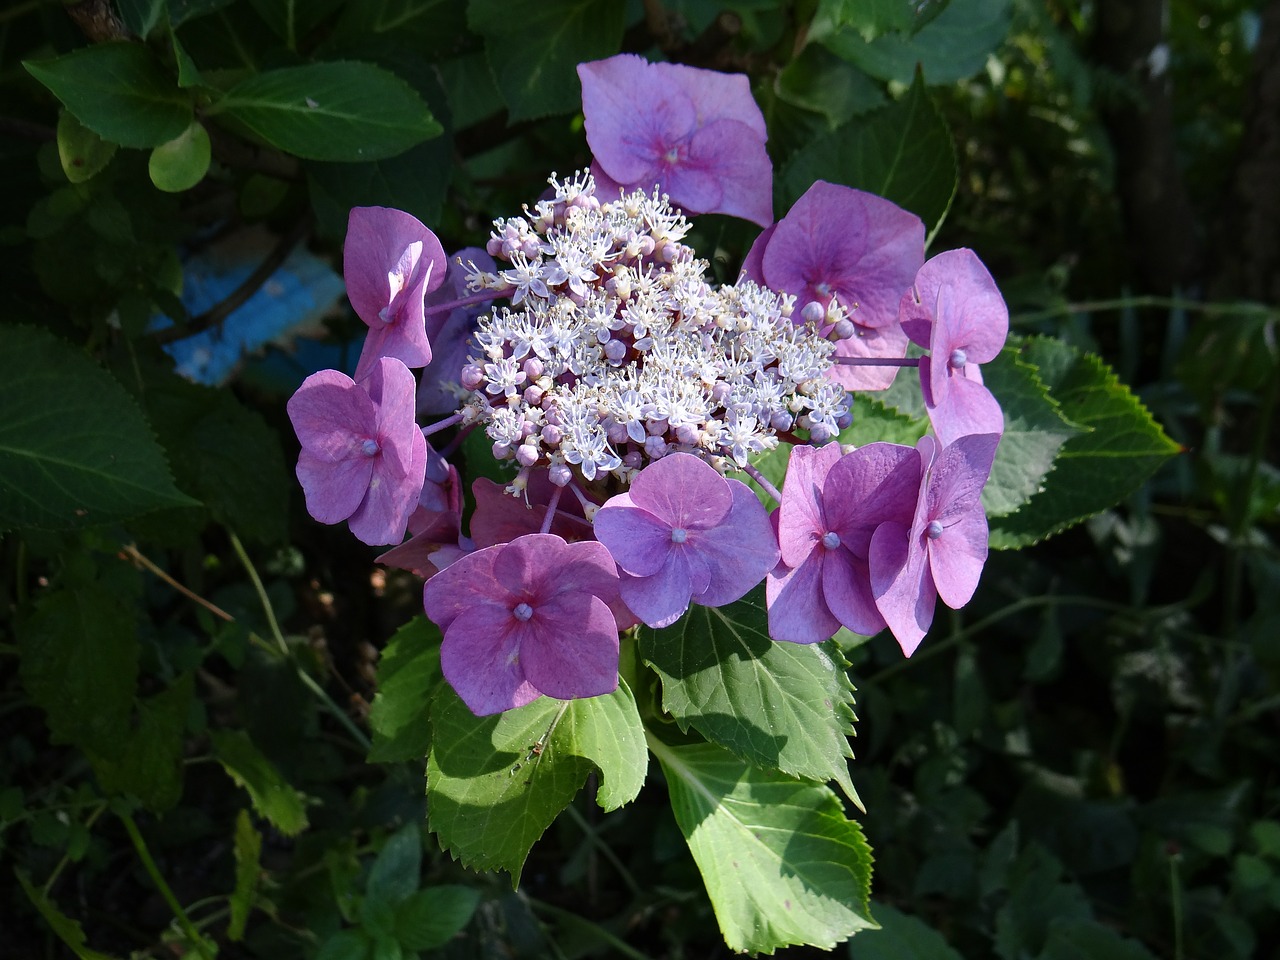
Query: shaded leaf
column 901, row 937
column 1034, row 431
column 345, row 111
column 431, row 917
column 248, row 852
column 74, row 449
column 68, row 930
column 902, row 152
column 786, row 706
column 781, row 862
column 83, row 153
column 408, row 673
column 1122, row 447
column 398, row 867
column 150, row 764
column 272, row 797
column 534, row 56
column 119, row 91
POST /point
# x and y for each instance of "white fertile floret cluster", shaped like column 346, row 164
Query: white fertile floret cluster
column 616, row 350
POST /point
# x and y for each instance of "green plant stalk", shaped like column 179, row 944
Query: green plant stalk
column 140, row 845
column 66, row 857
column 308, row 681
column 605, row 850
column 1175, row 898
column 1166, row 303
column 621, row 946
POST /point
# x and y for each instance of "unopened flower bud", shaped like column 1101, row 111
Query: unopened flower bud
column 655, row 448
column 551, row 435
column 560, row 474
column 471, row 376
column 813, row 312
column 533, row 368
column 843, row 329
column 527, row 455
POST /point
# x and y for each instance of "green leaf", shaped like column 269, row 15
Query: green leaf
column 874, row 421
column 1034, row 432
column 1037, row 898
column 408, row 672
column 818, row 80
column 433, row 916
column 74, row 449
column 80, row 664
column 67, row 930
column 82, row 152
column 222, row 451
column 901, row 937
column 1071, row 939
column 952, row 46
column 346, row 945
column 182, row 162
column 150, row 764
column 141, row 16
column 397, row 870
column 119, row 91
column 494, row 784
column 1122, row 447
column 902, row 152
column 782, row 863
column 346, row 111
column 534, row 56
column 870, row 18
column 272, row 797
column 248, row 852
column 786, row 706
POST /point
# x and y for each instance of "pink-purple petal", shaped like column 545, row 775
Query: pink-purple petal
column 658, row 600
column 873, row 484
column 683, row 491
column 968, row 408
column 480, row 657
column 638, row 541
column 739, row 552
column 468, row 582
column 333, row 489
column 846, row 589
column 331, row 415
column 887, row 342
column 569, row 647
column 801, row 519
column 956, row 558
column 902, row 584
column 797, row 606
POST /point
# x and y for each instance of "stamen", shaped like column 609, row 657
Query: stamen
column 831, row 539
column 522, row 611
column 370, row 448
column 934, row 530
column 679, row 534
column 958, row 358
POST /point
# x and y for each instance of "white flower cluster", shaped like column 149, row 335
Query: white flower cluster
column 616, row 350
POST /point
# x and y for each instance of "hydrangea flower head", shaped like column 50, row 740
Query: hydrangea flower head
column 844, row 253
column 941, row 552
column 684, row 533
column 955, row 309
column 697, row 135
column 363, row 456
column 526, row 619
column 831, row 506
column 390, row 262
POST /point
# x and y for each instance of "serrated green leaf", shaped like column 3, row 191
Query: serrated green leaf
column 415, row 181
column 781, row 862
column 408, row 672
column 534, row 56
column 953, row 45
column 248, row 853
column 80, row 664
column 141, row 16
column 1034, row 432
column 182, row 162
column 902, row 152
column 397, row 869
column 433, row 916
column 1122, row 447
column 224, row 452
column 272, row 797
column 74, row 449
column 870, row 18
column 344, row 111
column 82, row 152
column 1037, row 898
column 149, row 766
column 785, row 706
column 901, row 937
column 67, row 930
column 119, row 91
column 494, row 784
column 874, row 421
column 346, row 945
column 1090, row 940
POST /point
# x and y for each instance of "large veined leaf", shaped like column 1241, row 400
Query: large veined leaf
column 1122, row 447
column 119, row 91
column 271, row 794
column 952, row 45
column 348, row 111
column 781, row 862
column 74, row 449
column 785, row 706
column 902, row 152
column 494, row 784
column 1034, row 432
column 408, row 673
column 534, row 56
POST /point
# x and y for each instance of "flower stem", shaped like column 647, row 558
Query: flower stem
column 482, row 297
column 308, row 681
column 444, row 424
column 197, row 941
column 551, row 509
column 877, row 361
column 760, row 478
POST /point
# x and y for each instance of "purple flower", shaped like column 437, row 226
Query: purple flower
column 526, row 619
column 842, row 244
column 390, row 262
column 363, row 456
column 434, row 523
column 955, row 309
column 448, row 332
column 940, row 553
column 684, row 533
column 696, row 134
column 831, row 506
